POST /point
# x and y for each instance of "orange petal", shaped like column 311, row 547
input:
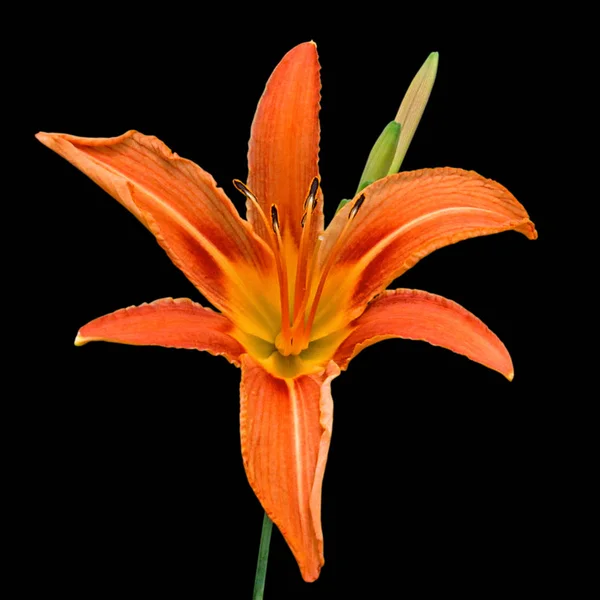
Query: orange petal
column 192, row 218
column 416, row 315
column 286, row 431
column 403, row 218
column 284, row 142
column 178, row 323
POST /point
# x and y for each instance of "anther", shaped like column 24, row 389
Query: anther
column 354, row 210
column 241, row 187
column 274, row 218
column 311, row 199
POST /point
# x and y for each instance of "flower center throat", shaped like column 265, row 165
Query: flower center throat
column 298, row 311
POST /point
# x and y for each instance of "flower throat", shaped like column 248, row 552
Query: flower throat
column 296, row 323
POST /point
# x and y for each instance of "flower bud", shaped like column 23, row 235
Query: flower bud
column 381, row 156
column 412, row 107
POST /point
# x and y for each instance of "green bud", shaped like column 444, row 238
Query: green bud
column 412, row 107
column 381, row 156
column 390, row 148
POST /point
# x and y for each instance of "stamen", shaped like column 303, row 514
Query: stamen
column 274, row 232
column 312, row 194
column 311, row 200
column 354, row 210
column 300, row 289
column 275, row 220
column 283, row 284
column 243, row 188
column 330, row 261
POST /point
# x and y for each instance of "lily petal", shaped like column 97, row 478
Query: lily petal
column 417, row 315
column 286, row 430
column 178, row 323
column 403, row 218
column 191, row 217
column 284, row 143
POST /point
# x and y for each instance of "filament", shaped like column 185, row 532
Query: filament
column 333, row 254
column 300, row 288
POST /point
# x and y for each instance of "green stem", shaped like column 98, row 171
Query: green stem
column 263, row 558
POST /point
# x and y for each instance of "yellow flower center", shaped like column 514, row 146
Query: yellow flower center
column 293, row 351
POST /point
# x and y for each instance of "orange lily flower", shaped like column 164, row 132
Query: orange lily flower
column 296, row 301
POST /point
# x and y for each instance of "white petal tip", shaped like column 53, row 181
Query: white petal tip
column 80, row 341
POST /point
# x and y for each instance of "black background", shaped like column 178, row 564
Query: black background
column 442, row 476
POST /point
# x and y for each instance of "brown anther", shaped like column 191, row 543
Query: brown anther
column 356, row 207
column 274, row 218
column 311, row 199
column 241, row 187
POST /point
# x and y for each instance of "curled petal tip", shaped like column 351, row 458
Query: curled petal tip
column 42, row 136
column 80, row 340
column 418, row 315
